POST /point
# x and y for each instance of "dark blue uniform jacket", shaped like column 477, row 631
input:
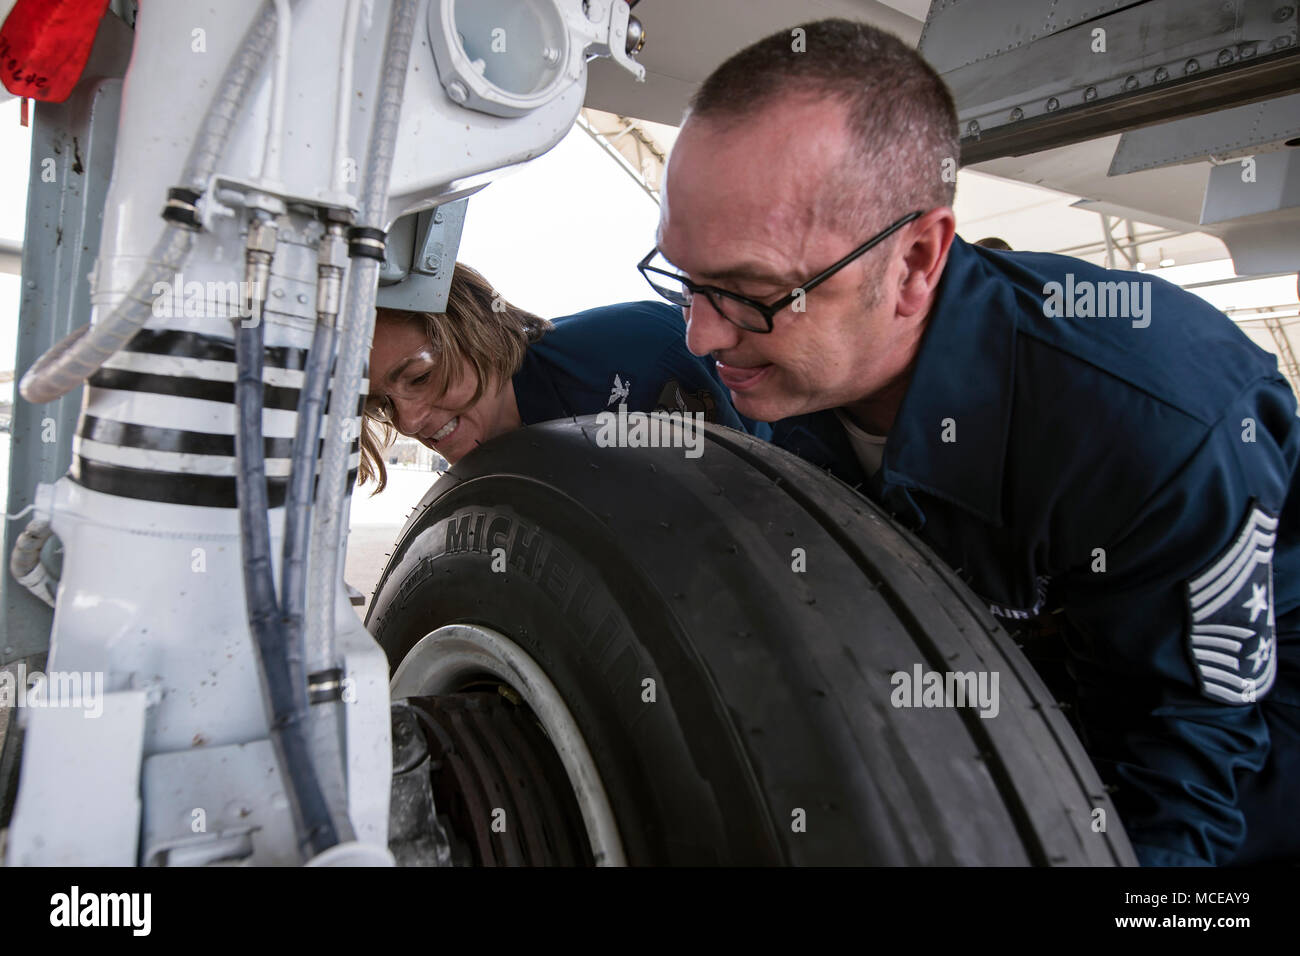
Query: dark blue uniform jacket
column 633, row 353
column 1126, row 481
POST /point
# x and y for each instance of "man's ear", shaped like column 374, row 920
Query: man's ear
column 925, row 252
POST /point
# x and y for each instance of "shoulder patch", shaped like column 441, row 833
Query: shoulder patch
column 1230, row 606
column 620, row 391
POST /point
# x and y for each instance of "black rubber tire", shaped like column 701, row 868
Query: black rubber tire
column 772, row 686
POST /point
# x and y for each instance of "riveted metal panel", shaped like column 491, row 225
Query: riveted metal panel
column 1111, row 69
column 1227, row 134
column 958, row 33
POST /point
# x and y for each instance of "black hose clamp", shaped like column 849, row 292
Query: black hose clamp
column 367, row 241
column 182, row 207
column 325, row 686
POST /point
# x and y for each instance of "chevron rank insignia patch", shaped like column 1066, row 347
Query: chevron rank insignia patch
column 1231, row 611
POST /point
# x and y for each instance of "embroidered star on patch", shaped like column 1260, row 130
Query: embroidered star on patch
column 1231, row 609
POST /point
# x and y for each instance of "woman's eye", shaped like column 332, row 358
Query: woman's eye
column 421, row 379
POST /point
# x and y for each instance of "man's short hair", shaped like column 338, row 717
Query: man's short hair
column 899, row 112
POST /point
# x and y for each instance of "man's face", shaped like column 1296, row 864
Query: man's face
column 739, row 212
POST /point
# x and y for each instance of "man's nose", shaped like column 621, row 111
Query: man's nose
column 707, row 329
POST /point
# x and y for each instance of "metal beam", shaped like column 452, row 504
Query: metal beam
column 1231, row 279
column 79, row 135
column 1132, row 243
column 641, row 147
column 73, row 145
column 1229, row 134
column 1036, row 76
column 1193, row 95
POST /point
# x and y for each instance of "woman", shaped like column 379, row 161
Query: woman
column 485, row 367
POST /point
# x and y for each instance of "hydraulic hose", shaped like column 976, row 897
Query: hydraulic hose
column 25, row 562
column 284, row 679
column 306, row 448
column 83, row 352
column 354, row 340
column 323, row 733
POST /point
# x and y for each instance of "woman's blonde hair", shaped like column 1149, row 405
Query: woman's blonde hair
column 479, row 327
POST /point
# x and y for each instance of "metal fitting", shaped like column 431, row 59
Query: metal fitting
column 635, row 36
column 333, row 247
column 264, row 204
column 331, row 259
column 262, row 235
column 258, row 250
column 338, row 214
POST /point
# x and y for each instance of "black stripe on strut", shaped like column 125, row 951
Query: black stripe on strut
column 273, row 396
column 154, row 438
column 210, row 347
column 207, row 491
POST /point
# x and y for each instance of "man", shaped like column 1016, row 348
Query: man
column 1074, row 440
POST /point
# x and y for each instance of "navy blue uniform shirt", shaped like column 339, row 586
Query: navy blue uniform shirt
column 1116, row 465
column 633, row 353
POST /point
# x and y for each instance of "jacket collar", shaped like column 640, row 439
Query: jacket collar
column 950, row 437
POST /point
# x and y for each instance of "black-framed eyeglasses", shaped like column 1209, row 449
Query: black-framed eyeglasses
column 749, row 314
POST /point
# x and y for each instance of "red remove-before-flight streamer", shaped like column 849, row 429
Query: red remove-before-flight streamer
column 44, row 45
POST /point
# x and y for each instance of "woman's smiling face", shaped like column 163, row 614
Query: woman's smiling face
column 405, row 370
